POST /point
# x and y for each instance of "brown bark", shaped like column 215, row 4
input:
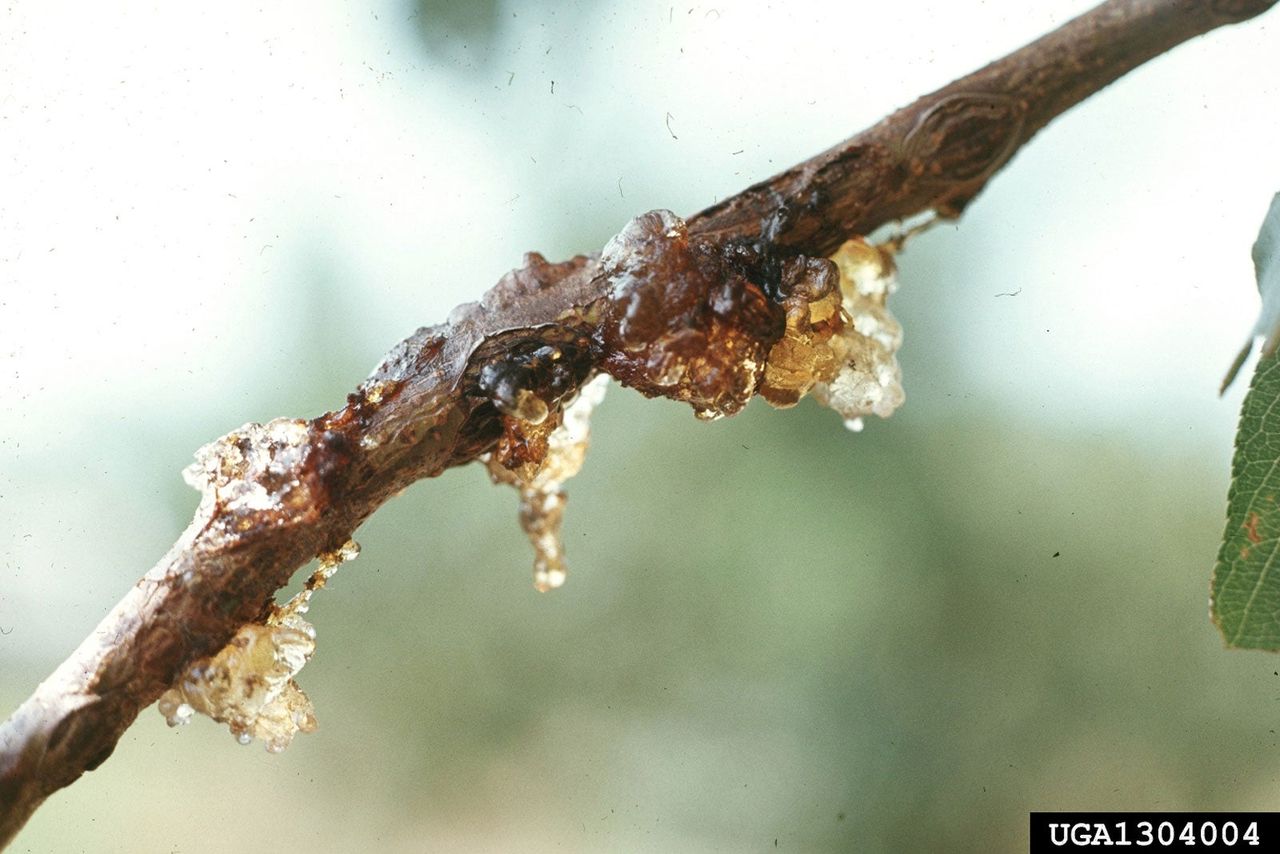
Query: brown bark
column 438, row 399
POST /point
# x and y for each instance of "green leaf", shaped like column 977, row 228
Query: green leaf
column 1246, row 579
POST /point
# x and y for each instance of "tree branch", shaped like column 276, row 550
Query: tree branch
column 709, row 298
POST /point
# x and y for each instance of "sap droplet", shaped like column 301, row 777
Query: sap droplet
column 563, row 439
column 330, row 561
column 854, row 425
column 546, row 579
column 375, row 391
column 529, row 407
column 244, row 738
column 176, row 712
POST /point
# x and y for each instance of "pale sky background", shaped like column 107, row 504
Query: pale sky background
column 172, row 173
column 200, row 202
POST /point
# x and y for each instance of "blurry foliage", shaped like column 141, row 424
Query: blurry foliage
column 464, row 33
column 901, row 640
column 447, row 27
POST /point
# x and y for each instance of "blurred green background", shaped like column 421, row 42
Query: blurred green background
column 776, row 634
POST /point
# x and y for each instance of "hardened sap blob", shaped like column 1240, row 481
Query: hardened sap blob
column 249, row 684
column 680, row 321
column 805, row 354
column 712, row 325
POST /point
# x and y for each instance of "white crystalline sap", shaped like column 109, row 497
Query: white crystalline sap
column 869, row 381
column 231, row 469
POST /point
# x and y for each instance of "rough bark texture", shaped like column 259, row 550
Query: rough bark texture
column 443, row 396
